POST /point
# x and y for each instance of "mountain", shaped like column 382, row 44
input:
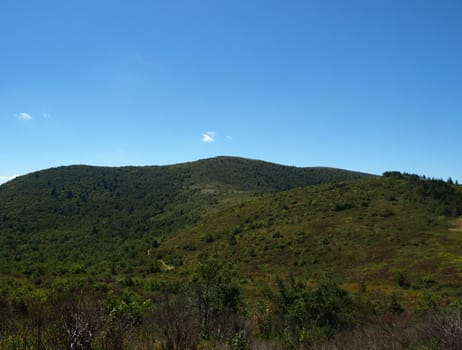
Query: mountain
column 69, row 214
column 145, row 227
column 279, row 257
column 257, row 176
column 145, row 198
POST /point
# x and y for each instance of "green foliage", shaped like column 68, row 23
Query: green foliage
column 306, row 314
column 445, row 193
column 402, row 281
column 145, row 229
column 387, row 304
column 239, row 342
column 263, row 177
column 70, row 224
column 120, row 314
column 208, row 237
column 215, row 292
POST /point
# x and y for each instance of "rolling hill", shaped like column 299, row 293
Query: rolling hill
column 68, row 217
column 365, row 232
column 99, row 225
column 359, row 246
column 129, row 197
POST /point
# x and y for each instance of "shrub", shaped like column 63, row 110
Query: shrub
column 303, row 315
column 214, row 293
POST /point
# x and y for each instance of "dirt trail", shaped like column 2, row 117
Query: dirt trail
column 166, row 266
column 457, row 225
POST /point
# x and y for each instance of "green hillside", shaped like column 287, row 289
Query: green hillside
column 369, row 232
column 81, row 224
column 135, row 200
column 297, row 255
column 257, row 176
column 80, row 218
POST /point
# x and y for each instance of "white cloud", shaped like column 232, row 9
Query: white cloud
column 229, row 137
column 24, row 116
column 46, row 115
column 208, row 137
column 4, row 179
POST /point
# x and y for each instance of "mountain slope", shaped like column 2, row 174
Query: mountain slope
column 142, row 227
column 364, row 232
column 74, row 219
column 130, row 197
column 257, row 176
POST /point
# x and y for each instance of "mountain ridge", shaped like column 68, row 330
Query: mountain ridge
column 81, row 195
column 198, row 163
column 105, row 226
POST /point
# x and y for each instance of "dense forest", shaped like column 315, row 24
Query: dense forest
column 229, row 253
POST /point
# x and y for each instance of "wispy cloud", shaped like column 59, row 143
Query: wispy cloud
column 24, row 116
column 46, row 115
column 208, row 137
column 4, row 179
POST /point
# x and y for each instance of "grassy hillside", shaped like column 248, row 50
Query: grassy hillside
column 66, row 221
column 394, row 233
column 147, row 226
column 228, row 253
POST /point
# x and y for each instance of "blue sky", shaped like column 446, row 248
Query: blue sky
column 368, row 85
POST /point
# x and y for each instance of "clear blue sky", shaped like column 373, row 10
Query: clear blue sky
column 368, row 85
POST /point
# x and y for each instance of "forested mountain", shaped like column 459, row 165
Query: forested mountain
column 140, row 199
column 261, row 216
column 137, row 233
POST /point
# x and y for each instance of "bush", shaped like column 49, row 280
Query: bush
column 303, row 315
column 214, row 293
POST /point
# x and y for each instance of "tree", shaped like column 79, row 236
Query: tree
column 214, row 293
column 306, row 315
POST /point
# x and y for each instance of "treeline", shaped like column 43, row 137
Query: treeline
column 260, row 177
column 207, row 313
column 445, row 196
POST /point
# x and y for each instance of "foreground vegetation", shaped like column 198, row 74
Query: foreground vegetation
column 207, row 313
column 229, row 253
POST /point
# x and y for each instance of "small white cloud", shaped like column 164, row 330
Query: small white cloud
column 46, row 115
column 208, row 137
column 4, row 179
column 229, row 137
column 24, row 116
